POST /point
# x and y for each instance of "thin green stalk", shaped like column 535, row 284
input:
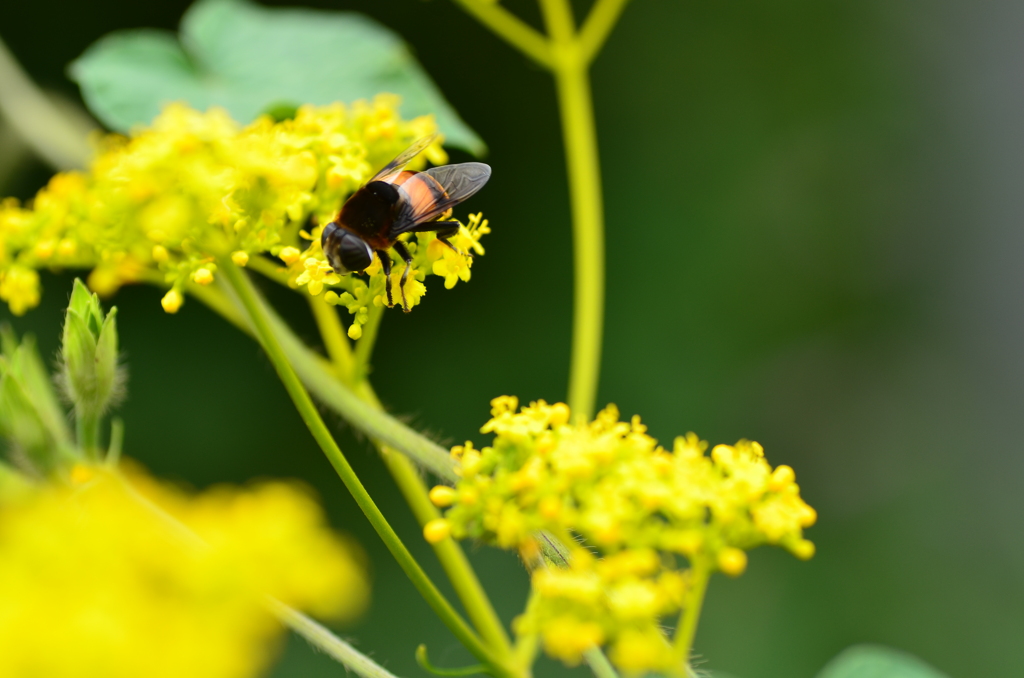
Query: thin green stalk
column 599, row 663
column 700, row 573
column 116, row 442
column 603, row 17
column 364, row 347
column 87, row 428
column 308, row 411
column 333, row 337
column 451, row 556
column 317, row 374
column 510, row 28
column 58, row 138
column 456, row 566
column 322, row 639
column 580, row 138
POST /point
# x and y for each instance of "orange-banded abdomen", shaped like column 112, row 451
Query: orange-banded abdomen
column 421, row 190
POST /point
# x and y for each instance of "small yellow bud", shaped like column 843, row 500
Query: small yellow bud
column 782, row 477
column 470, row 463
column 160, row 254
column 559, row 414
column 803, row 549
column 202, row 276
column 732, row 561
column 289, row 255
column 67, row 248
column 172, row 301
column 809, row 517
column 550, row 507
column 442, row 495
column 469, row 496
column 355, row 331
column 331, row 297
column 437, row 530
column 44, row 249
column 529, row 550
column 240, row 258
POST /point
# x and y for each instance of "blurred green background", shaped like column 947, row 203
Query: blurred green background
column 814, row 233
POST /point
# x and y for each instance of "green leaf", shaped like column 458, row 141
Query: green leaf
column 106, row 361
column 875, row 661
column 38, row 385
column 248, row 58
column 78, row 353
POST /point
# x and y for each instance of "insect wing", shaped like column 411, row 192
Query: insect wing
column 393, row 168
column 454, row 184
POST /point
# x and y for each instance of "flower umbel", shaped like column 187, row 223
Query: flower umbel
column 166, row 204
column 114, row 571
column 642, row 508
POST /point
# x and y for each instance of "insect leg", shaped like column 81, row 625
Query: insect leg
column 449, row 229
column 385, row 264
column 403, row 252
column 443, row 229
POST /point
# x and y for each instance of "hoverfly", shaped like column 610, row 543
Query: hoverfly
column 397, row 201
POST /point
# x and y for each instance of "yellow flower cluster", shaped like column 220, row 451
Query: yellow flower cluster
column 105, row 577
column 166, row 204
column 643, row 508
column 428, row 254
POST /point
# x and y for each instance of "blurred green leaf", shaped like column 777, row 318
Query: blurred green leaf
column 246, row 58
column 875, row 661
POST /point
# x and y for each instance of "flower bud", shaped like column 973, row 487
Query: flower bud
column 89, row 352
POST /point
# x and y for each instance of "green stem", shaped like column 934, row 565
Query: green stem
column 322, row 639
column 58, row 138
column 116, row 442
column 598, row 25
column 308, row 411
column 510, row 28
column 570, row 69
column 87, row 428
column 599, row 663
column 700, row 573
column 364, row 347
column 333, row 337
column 451, row 556
column 316, row 373
column 456, row 566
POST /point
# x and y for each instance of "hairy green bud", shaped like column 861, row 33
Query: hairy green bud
column 89, row 353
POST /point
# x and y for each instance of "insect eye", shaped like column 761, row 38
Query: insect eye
column 345, row 251
column 355, row 254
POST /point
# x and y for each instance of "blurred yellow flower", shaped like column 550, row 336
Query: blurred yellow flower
column 107, row 577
